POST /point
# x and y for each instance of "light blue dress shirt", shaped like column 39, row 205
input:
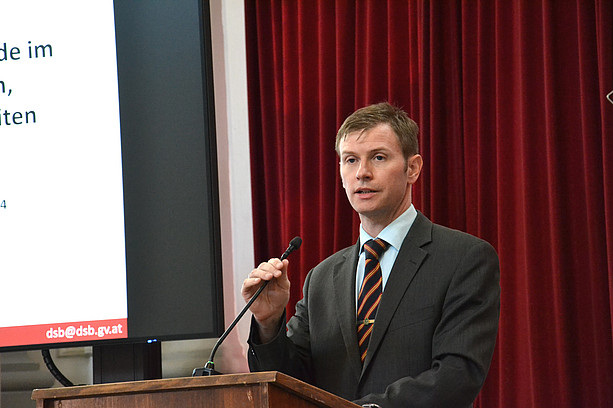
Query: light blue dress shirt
column 394, row 235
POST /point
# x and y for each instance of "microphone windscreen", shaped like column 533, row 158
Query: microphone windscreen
column 295, row 242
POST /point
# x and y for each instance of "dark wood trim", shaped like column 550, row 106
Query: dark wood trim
column 259, row 389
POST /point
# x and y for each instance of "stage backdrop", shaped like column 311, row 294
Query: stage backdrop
column 517, row 139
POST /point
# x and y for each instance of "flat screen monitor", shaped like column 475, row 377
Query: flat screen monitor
column 109, row 213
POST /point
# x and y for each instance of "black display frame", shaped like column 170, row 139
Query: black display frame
column 172, row 217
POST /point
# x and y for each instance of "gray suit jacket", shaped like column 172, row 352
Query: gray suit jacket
column 435, row 328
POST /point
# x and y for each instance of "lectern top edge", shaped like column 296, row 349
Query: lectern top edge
column 274, row 379
column 131, row 387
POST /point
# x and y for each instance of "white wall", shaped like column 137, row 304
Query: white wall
column 230, row 76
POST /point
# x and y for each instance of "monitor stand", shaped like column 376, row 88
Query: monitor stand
column 127, row 362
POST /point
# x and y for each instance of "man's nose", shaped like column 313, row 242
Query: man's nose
column 364, row 170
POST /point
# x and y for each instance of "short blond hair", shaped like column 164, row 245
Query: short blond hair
column 370, row 116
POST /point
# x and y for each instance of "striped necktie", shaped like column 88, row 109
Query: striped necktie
column 370, row 292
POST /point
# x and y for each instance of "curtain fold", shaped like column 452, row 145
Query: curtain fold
column 516, row 134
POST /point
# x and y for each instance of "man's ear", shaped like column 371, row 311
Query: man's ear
column 414, row 165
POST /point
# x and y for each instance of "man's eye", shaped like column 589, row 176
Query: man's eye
column 350, row 160
column 379, row 157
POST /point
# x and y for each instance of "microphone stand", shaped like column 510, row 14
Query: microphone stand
column 209, row 367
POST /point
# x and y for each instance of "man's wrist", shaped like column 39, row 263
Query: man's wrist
column 268, row 331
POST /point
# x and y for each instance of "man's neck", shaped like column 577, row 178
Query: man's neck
column 374, row 226
column 395, row 232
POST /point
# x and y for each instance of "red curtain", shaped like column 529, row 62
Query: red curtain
column 516, row 135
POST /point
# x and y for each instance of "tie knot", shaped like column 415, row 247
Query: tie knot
column 374, row 248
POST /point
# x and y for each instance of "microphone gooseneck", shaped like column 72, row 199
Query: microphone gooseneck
column 209, row 367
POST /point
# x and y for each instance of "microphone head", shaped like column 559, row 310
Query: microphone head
column 295, row 243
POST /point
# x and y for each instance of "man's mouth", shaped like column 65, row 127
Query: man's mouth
column 365, row 191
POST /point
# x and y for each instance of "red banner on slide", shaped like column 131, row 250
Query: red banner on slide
column 64, row 332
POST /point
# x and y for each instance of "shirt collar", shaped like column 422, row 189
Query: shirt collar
column 395, row 232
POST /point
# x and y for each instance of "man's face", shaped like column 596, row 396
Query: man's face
column 376, row 176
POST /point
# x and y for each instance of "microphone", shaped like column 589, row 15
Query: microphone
column 209, row 367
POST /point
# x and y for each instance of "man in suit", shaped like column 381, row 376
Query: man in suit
column 406, row 317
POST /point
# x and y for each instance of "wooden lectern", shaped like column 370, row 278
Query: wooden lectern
column 257, row 390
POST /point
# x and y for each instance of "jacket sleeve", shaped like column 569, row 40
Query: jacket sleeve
column 291, row 357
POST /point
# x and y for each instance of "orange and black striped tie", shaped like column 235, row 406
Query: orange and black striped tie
column 370, row 292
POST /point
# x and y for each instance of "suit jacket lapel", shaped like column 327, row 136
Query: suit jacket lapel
column 344, row 291
column 408, row 261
